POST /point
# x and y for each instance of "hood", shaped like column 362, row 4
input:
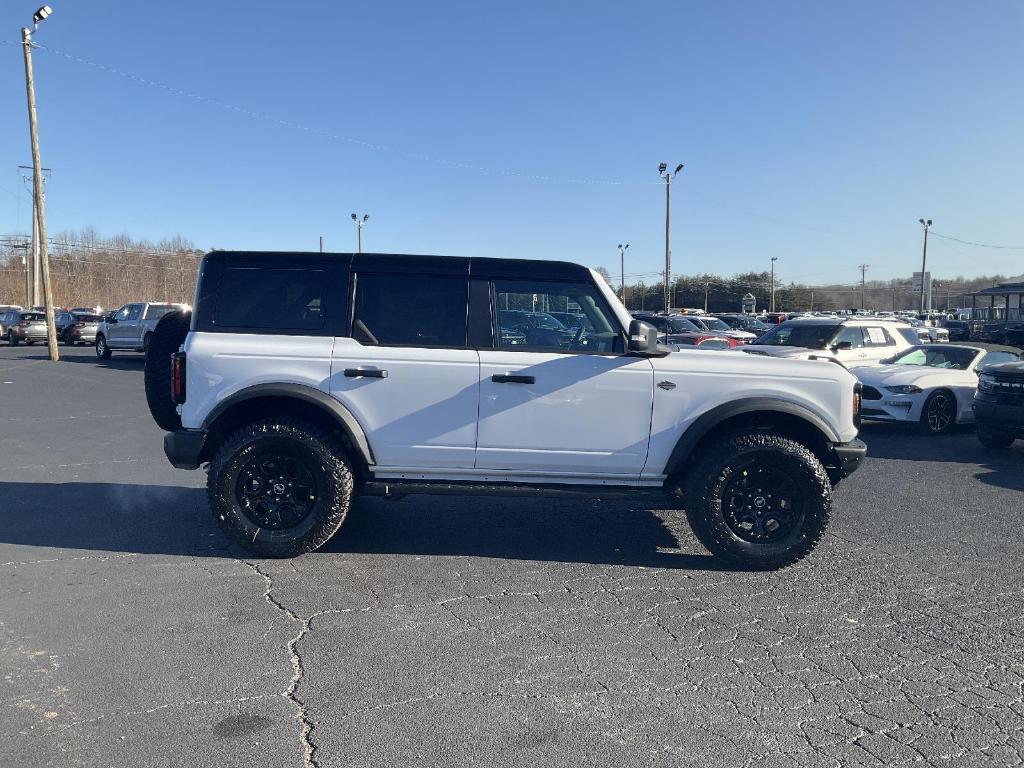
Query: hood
column 765, row 368
column 1006, row 370
column 903, row 375
column 796, row 353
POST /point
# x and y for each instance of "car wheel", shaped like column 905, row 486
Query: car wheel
column 102, row 350
column 939, row 413
column 993, row 438
column 758, row 500
column 280, row 487
column 164, row 341
column 146, row 340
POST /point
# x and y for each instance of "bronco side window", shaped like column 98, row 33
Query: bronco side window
column 411, row 310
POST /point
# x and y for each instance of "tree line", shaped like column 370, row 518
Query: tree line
column 87, row 270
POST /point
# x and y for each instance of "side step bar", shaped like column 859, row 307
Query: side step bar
column 396, row 489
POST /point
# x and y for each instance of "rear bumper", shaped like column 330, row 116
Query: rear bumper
column 848, row 457
column 184, row 447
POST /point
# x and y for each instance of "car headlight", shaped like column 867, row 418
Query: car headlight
column 904, row 389
column 986, row 382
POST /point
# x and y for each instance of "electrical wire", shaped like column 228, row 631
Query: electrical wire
column 977, row 245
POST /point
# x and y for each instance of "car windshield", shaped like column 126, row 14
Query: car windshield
column 682, row 325
column 156, row 311
column 714, row 324
column 799, row 334
column 953, row 358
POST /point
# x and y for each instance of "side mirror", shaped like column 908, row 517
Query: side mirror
column 842, row 345
column 643, row 338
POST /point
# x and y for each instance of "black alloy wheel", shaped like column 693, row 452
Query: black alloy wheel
column 939, row 413
column 761, row 502
column 276, row 490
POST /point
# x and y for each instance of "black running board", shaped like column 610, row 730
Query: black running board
column 396, row 489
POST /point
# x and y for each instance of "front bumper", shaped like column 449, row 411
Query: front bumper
column 848, row 457
column 184, row 447
column 999, row 416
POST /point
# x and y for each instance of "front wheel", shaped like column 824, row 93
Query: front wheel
column 939, row 413
column 102, row 350
column 992, row 438
column 280, row 487
column 758, row 500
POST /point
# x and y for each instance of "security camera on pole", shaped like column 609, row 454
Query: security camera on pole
column 37, row 179
column 663, row 172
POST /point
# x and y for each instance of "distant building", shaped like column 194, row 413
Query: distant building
column 1000, row 303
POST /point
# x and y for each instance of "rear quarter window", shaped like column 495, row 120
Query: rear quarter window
column 271, row 298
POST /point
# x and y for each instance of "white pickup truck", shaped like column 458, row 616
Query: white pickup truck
column 130, row 328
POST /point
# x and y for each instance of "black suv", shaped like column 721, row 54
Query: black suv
column 999, row 404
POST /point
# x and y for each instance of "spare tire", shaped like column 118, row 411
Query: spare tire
column 166, row 339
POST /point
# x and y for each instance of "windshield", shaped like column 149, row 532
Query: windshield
column 953, row 358
column 156, row 311
column 799, row 334
column 682, row 325
column 714, row 324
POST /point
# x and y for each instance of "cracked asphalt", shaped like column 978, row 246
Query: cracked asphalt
column 460, row 631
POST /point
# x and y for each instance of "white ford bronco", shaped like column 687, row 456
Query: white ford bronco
column 303, row 379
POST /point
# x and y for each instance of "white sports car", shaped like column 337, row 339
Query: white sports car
column 932, row 384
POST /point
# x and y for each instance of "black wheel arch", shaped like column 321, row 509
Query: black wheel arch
column 763, row 413
column 298, row 400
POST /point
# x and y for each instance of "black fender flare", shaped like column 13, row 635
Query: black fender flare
column 715, row 416
column 305, row 393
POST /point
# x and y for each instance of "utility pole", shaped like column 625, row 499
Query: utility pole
column 924, row 258
column 706, row 287
column 37, row 182
column 321, row 243
column 772, row 303
column 663, row 172
column 622, row 270
column 359, row 227
column 643, row 291
column 812, row 302
column 863, row 270
column 35, row 290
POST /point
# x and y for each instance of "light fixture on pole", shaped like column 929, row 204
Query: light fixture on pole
column 622, row 269
column 37, row 179
column 663, row 172
column 774, row 259
column 924, row 259
column 359, row 227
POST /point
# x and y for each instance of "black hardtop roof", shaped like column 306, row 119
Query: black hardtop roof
column 419, row 264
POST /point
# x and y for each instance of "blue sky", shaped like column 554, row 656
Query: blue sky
column 815, row 132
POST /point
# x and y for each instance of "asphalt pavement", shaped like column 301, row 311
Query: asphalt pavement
column 456, row 631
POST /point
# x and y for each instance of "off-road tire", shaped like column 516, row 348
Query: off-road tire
column 102, row 350
column 325, row 458
column 164, row 341
column 927, row 424
column 993, row 438
column 708, row 480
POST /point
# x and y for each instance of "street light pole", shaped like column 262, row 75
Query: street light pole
column 663, row 172
column 863, row 270
column 924, row 258
column 706, row 287
column 774, row 259
column 622, row 269
column 359, row 227
column 37, row 182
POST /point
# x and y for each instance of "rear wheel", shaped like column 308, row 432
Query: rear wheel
column 939, row 413
column 758, row 500
column 993, row 438
column 102, row 350
column 280, row 487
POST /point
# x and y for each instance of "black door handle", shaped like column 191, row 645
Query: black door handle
column 512, row 378
column 368, row 373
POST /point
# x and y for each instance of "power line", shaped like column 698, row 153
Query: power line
column 329, row 134
column 978, row 245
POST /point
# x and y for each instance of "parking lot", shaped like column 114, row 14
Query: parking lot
column 458, row 631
